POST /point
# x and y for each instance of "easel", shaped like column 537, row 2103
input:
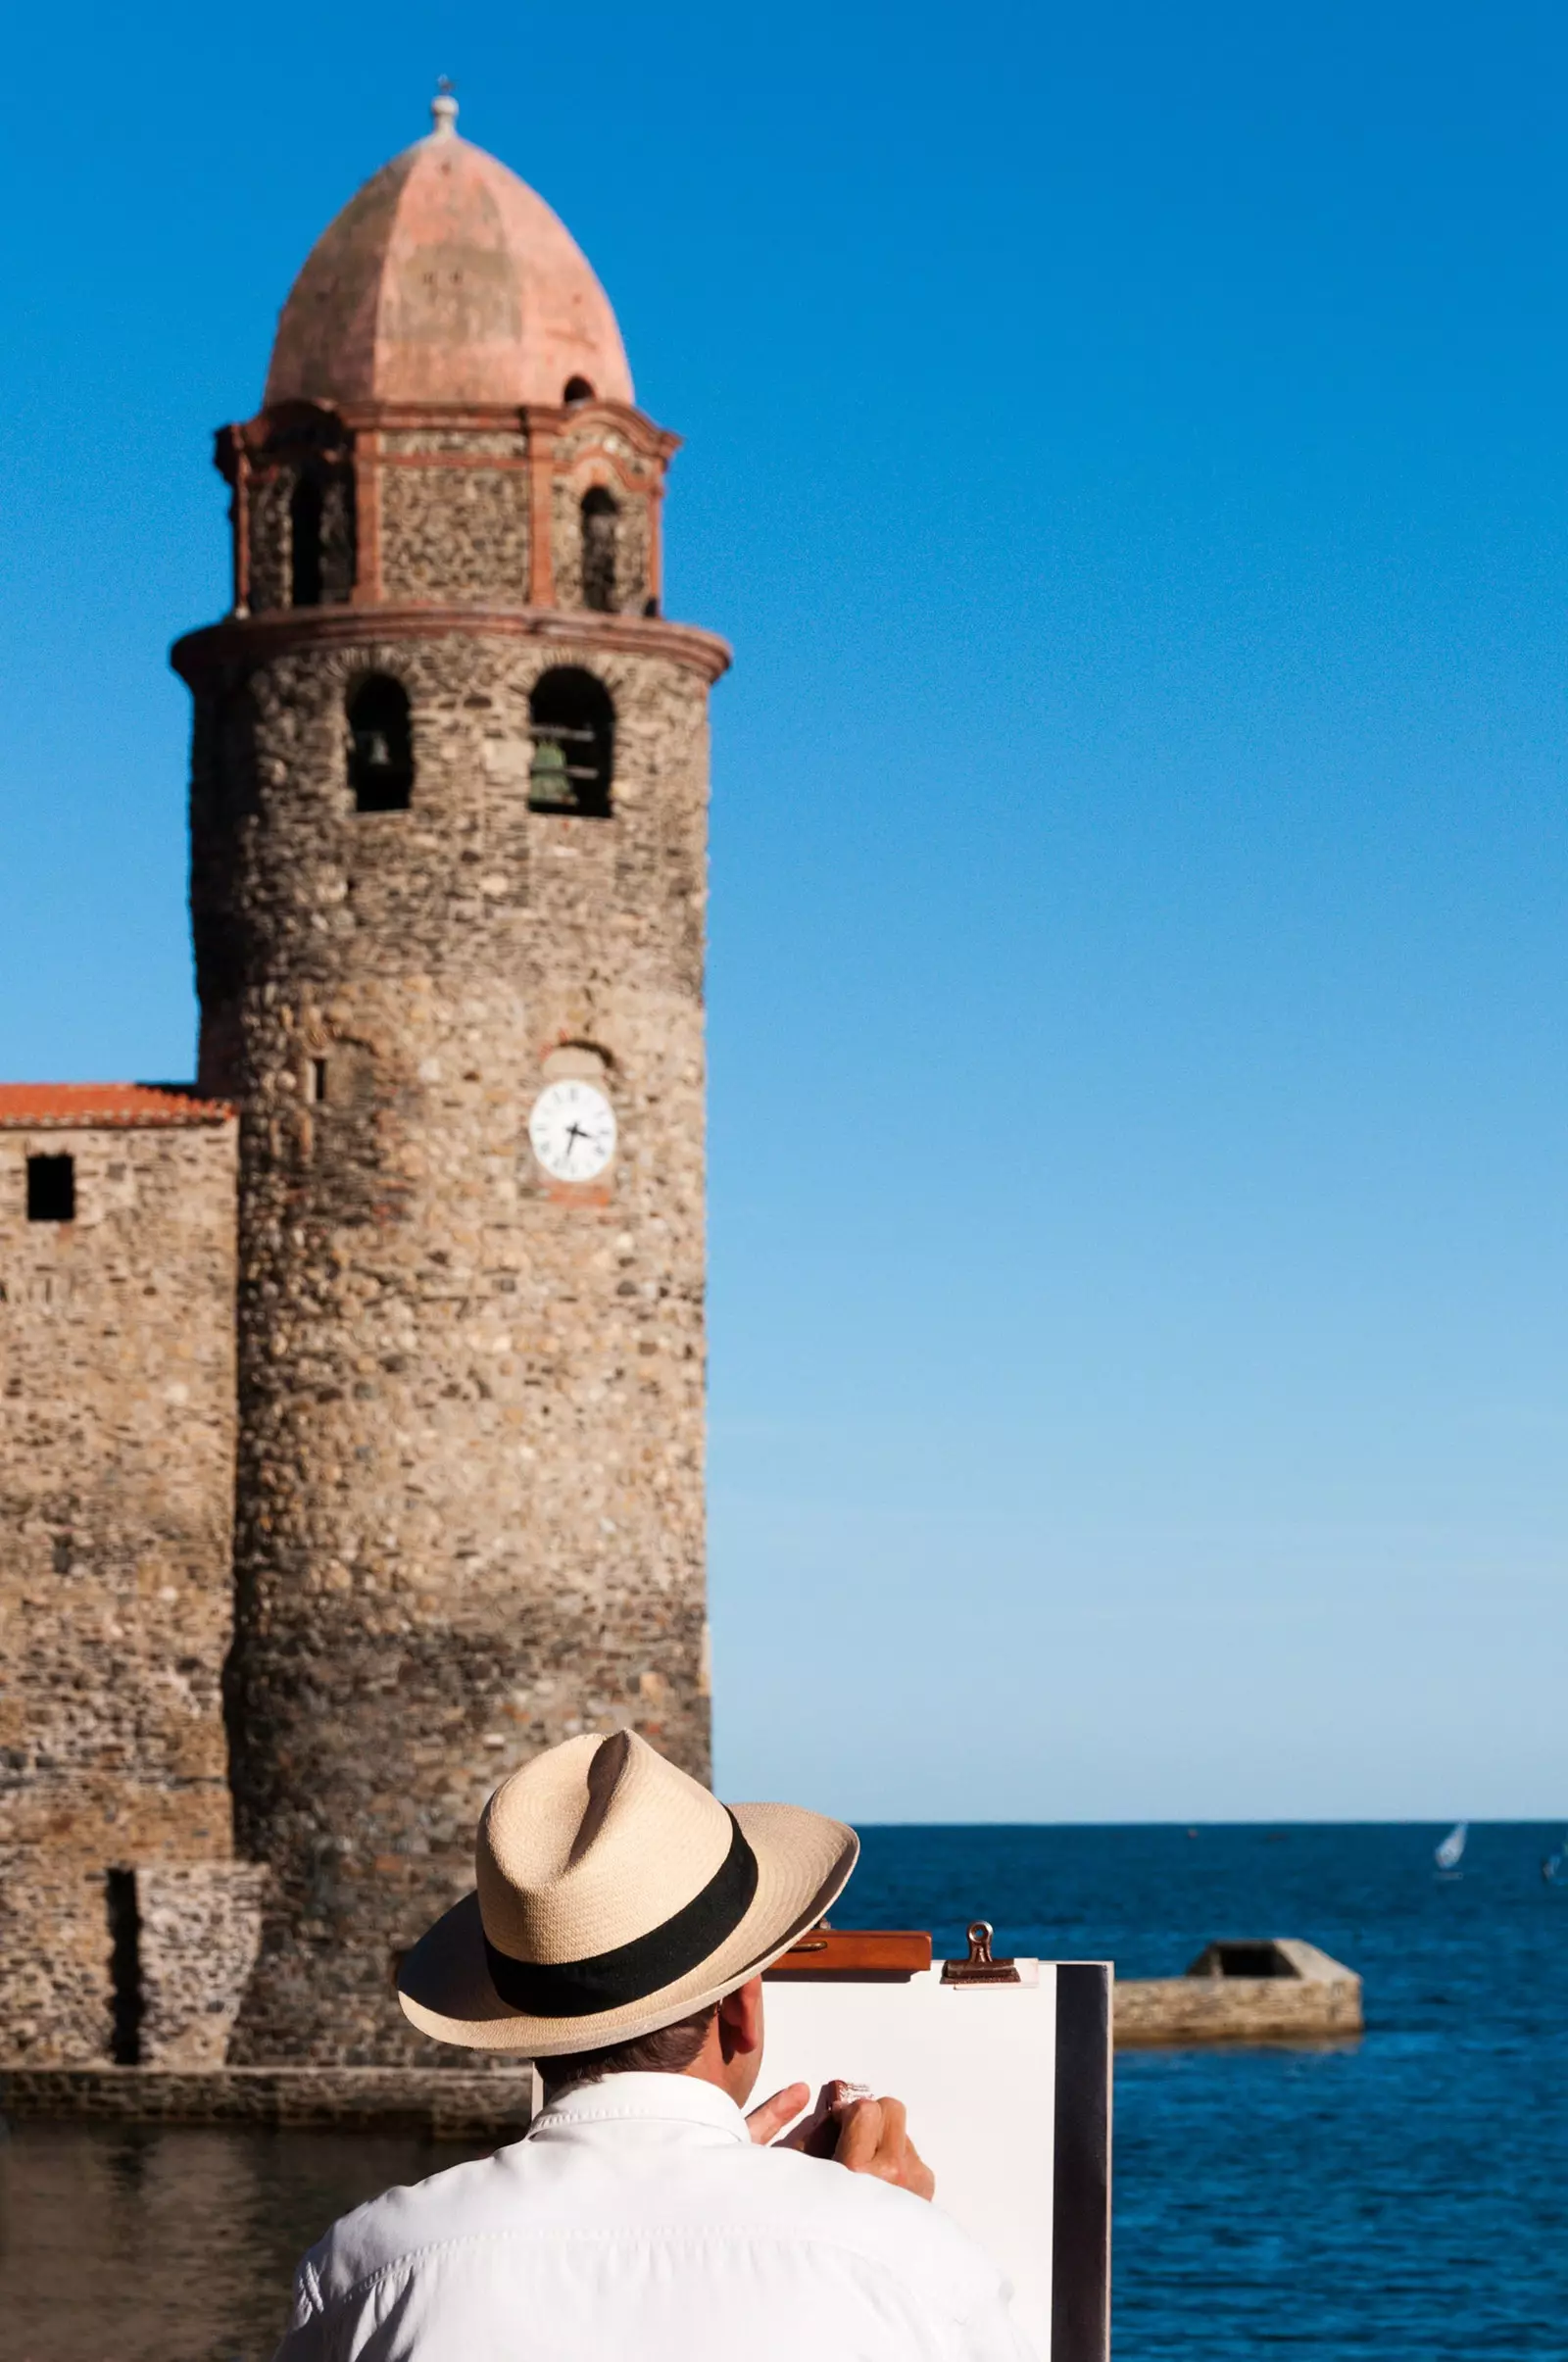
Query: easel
column 982, row 2052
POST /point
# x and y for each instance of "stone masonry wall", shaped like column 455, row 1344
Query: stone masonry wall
column 269, row 540
column 198, row 1931
column 116, row 1429
column 422, row 556
column 471, row 1485
column 459, row 530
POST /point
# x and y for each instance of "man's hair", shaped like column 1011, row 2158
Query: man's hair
column 669, row 2051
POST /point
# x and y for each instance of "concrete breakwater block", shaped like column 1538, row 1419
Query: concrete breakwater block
column 1261, row 1989
column 496, row 2103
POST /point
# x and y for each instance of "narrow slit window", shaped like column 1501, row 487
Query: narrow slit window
column 125, row 1968
column 381, row 745
column 305, row 542
column 601, row 538
column 50, row 1188
column 573, row 727
column 316, row 1082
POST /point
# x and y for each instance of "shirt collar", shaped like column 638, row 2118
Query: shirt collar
column 646, row 2098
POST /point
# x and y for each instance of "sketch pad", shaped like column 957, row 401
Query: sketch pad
column 1008, row 2093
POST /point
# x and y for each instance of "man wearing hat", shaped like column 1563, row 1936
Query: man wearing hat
column 621, row 1922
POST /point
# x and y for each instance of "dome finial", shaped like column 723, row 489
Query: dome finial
column 443, row 110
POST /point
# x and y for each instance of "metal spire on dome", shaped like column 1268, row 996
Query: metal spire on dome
column 443, row 111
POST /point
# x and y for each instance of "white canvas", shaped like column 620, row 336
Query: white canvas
column 976, row 2069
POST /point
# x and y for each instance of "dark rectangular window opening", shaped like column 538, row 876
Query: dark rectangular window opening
column 1251, row 1960
column 316, row 1082
column 50, row 1188
column 125, row 1968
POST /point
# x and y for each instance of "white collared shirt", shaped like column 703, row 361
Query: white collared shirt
column 638, row 2221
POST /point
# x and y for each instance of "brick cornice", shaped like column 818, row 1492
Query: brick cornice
column 257, row 436
column 246, row 640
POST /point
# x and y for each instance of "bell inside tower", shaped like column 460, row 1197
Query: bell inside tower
column 601, row 535
column 573, row 727
column 305, row 542
column 380, row 746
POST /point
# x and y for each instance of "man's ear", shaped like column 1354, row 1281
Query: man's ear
column 740, row 2020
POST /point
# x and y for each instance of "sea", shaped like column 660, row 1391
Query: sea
column 1402, row 2196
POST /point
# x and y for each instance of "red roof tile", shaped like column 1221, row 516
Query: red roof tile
column 91, row 1107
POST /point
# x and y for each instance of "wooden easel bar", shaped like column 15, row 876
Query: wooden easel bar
column 872, row 1956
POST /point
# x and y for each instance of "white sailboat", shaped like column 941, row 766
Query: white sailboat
column 1450, row 1852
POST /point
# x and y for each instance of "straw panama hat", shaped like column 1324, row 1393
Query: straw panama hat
column 615, row 1895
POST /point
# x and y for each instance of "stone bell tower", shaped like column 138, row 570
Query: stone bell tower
column 449, row 852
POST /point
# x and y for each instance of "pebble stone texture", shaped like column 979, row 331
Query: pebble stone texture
column 117, row 1348
column 198, row 1931
column 469, row 1505
column 451, row 530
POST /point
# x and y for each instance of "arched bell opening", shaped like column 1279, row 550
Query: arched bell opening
column 572, row 720
column 601, row 548
column 305, row 542
column 381, row 745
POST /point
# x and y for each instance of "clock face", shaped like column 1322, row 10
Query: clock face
column 572, row 1131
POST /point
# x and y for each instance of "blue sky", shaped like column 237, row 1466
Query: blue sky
column 1126, row 451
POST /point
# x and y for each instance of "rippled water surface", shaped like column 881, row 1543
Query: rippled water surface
column 1402, row 2196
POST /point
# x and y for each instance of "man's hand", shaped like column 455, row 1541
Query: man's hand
column 873, row 2139
column 769, row 2120
column 867, row 2135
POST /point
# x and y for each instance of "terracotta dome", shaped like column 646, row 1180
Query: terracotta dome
column 446, row 280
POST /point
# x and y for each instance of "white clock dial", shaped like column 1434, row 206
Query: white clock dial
column 572, row 1129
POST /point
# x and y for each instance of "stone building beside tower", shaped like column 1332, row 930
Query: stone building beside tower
column 423, row 1244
